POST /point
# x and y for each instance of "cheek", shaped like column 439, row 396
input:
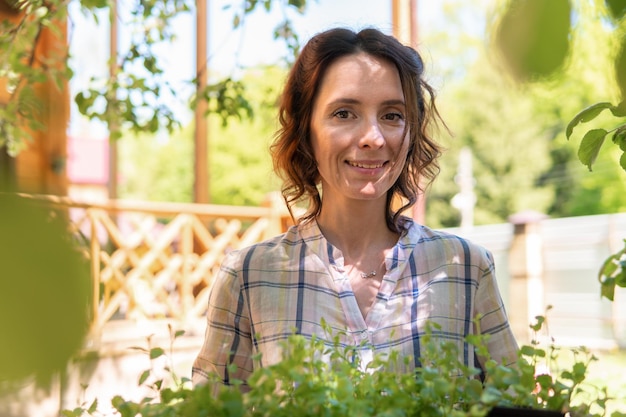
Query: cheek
column 402, row 157
column 404, row 147
column 316, row 150
column 323, row 147
column 316, row 163
column 316, row 141
column 313, row 144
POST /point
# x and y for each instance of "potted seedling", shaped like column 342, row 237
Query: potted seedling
column 322, row 378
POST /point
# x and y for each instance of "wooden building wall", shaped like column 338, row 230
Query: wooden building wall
column 40, row 168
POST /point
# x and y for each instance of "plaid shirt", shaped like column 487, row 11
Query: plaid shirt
column 287, row 284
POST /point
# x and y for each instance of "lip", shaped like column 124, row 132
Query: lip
column 366, row 164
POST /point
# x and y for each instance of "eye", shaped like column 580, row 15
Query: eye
column 394, row 116
column 342, row 114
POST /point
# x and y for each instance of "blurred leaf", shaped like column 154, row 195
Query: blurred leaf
column 539, row 323
column 620, row 279
column 94, row 4
column 44, row 290
column 227, row 99
column 156, row 352
column 619, row 137
column 586, row 115
column 617, row 8
column 620, row 69
column 620, row 109
column 144, row 376
column 533, row 37
column 300, row 5
column 545, row 380
column 93, row 407
column 139, row 348
column 590, row 146
column 528, row 350
column 612, row 273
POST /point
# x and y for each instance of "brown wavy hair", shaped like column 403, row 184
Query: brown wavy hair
column 291, row 150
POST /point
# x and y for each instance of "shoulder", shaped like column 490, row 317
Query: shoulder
column 447, row 244
column 441, row 236
column 275, row 249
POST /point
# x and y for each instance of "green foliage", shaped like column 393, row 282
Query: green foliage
column 586, row 78
column 510, row 150
column 523, row 20
column 44, row 291
column 591, row 195
column 284, row 31
column 516, row 131
column 226, row 99
column 612, row 273
column 135, row 97
column 22, row 73
column 157, row 170
column 240, row 166
column 613, row 16
column 131, row 96
column 593, row 140
column 323, row 378
column 533, row 37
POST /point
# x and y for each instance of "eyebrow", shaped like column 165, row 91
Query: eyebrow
column 392, row 102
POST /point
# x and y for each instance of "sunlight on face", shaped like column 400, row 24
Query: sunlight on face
column 358, row 128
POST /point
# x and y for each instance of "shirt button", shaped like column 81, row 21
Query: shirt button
column 364, row 335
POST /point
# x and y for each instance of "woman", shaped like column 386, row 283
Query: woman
column 356, row 115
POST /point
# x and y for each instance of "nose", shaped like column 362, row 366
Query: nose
column 372, row 136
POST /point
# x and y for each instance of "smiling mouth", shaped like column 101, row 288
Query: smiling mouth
column 364, row 165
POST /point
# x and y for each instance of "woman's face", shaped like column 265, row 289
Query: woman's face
column 358, row 128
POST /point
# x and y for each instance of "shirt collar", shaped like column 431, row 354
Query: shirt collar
column 330, row 255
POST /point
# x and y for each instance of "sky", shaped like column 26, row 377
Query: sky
column 255, row 45
column 319, row 15
column 228, row 49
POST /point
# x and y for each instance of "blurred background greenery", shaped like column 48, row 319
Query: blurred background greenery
column 513, row 118
column 510, row 74
column 44, row 292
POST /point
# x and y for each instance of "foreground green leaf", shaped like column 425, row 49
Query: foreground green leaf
column 590, row 146
column 587, row 115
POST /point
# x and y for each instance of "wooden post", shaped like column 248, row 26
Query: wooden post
column 186, row 252
column 113, row 34
column 405, row 24
column 8, row 180
column 526, row 270
column 94, row 250
column 41, row 167
column 404, row 20
column 201, row 155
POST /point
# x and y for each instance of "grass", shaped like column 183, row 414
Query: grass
column 606, row 373
column 609, row 372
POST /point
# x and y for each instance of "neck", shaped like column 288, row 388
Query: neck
column 358, row 231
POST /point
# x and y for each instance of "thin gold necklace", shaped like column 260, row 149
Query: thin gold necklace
column 373, row 273
column 368, row 275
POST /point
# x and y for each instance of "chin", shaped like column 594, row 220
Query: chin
column 366, row 195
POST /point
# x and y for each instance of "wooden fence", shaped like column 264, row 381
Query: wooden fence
column 543, row 262
column 154, row 260
column 157, row 261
